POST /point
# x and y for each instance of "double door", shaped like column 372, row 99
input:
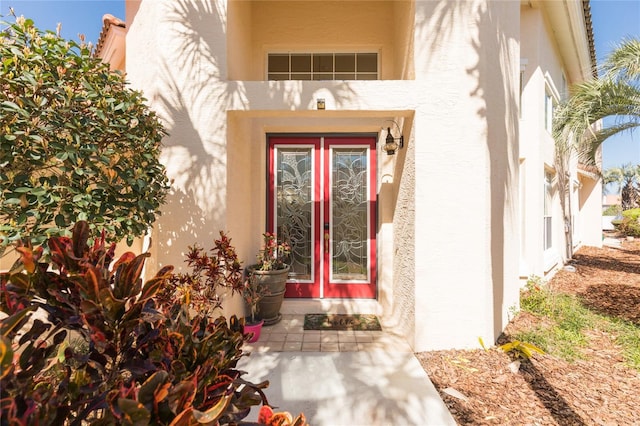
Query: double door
column 322, row 201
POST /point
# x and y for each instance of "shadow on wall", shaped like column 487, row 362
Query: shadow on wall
column 194, row 150
column 193, row 98
column 434, row 28
column 494, row 37
column 179, row 231
column 496, row 50
column 500, row 112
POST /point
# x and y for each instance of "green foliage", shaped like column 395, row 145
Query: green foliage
column 135, row 359
column 517, row 348
column 629, row 224
column 563, row 334
column 628, row 336
column 613, row 94
column 612, row 211
column 75, row 142
column 564, row 337
column 534, row 296
column 627, row 178
column 556, row 341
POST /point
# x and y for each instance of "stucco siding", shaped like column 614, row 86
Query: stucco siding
column 469, row 150
column 450, row 216
column 537, row 146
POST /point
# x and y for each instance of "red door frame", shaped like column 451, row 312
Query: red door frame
column 321, row 285
column 294, row 288
column 356, row 290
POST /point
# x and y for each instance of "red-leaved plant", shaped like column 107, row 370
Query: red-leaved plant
column 210, row 273
column 273, row 254
column 103, row 349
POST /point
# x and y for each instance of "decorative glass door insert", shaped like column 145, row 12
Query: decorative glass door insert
column 322, row 200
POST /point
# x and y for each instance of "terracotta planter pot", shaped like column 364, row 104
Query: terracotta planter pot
column 275, row 281
column 255, row 329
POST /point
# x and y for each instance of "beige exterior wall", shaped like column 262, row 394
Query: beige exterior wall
column 548, row 68
column 466, row 59
column 589, row 194
column 259, row 27
column 449, row 208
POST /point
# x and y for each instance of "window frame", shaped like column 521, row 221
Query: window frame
column 551, row 100
column 547, row 210
column 523, row 67
column 313, row 72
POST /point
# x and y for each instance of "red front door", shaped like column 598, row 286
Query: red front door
column 322, row 200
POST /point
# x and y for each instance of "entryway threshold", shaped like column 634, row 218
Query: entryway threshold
column 288, row 335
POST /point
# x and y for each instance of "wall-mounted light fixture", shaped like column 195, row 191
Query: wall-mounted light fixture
column 391, row 144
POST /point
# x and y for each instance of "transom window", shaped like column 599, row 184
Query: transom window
column 322, row 66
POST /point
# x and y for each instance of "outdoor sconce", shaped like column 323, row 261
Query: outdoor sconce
column 391, row 144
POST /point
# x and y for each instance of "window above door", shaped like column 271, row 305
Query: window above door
column 323, row 66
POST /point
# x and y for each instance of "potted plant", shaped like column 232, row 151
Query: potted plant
column 271, row 271
column 253, row 291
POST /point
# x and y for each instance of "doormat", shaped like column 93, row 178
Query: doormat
column 366, row 322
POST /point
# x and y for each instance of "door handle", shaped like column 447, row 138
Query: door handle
column 326, row 241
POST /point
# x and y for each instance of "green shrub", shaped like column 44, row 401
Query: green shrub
column 629, row 225
column 612, row 211
column 534, row 297
column 565, row 337
column 75, row 142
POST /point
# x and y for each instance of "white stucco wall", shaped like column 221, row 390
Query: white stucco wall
column 466, row 156
column 547, row 68
column 590, row 205
column 537, row 146
column 449, row 207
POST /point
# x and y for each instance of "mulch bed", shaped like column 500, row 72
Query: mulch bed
column 598, row 390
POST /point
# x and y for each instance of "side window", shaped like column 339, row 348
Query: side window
column 523, row 66
column 548, row 111
column 551, row 99
column 547, row 217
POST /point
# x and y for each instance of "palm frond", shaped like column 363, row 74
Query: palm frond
column 587, row 148
column 590, row 102
column 624, row 61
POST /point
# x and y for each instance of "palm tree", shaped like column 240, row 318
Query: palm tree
column 627, row 177
column 616, row 93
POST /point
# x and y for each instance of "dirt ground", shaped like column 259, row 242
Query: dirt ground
column 597, row 390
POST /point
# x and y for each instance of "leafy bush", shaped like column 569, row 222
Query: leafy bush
column 534, row 296
column 629, row 225
column 75, row 142
column 612, row 211
column 136, row 359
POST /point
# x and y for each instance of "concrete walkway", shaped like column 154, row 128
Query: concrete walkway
column 612, row 242
column 379, row 382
